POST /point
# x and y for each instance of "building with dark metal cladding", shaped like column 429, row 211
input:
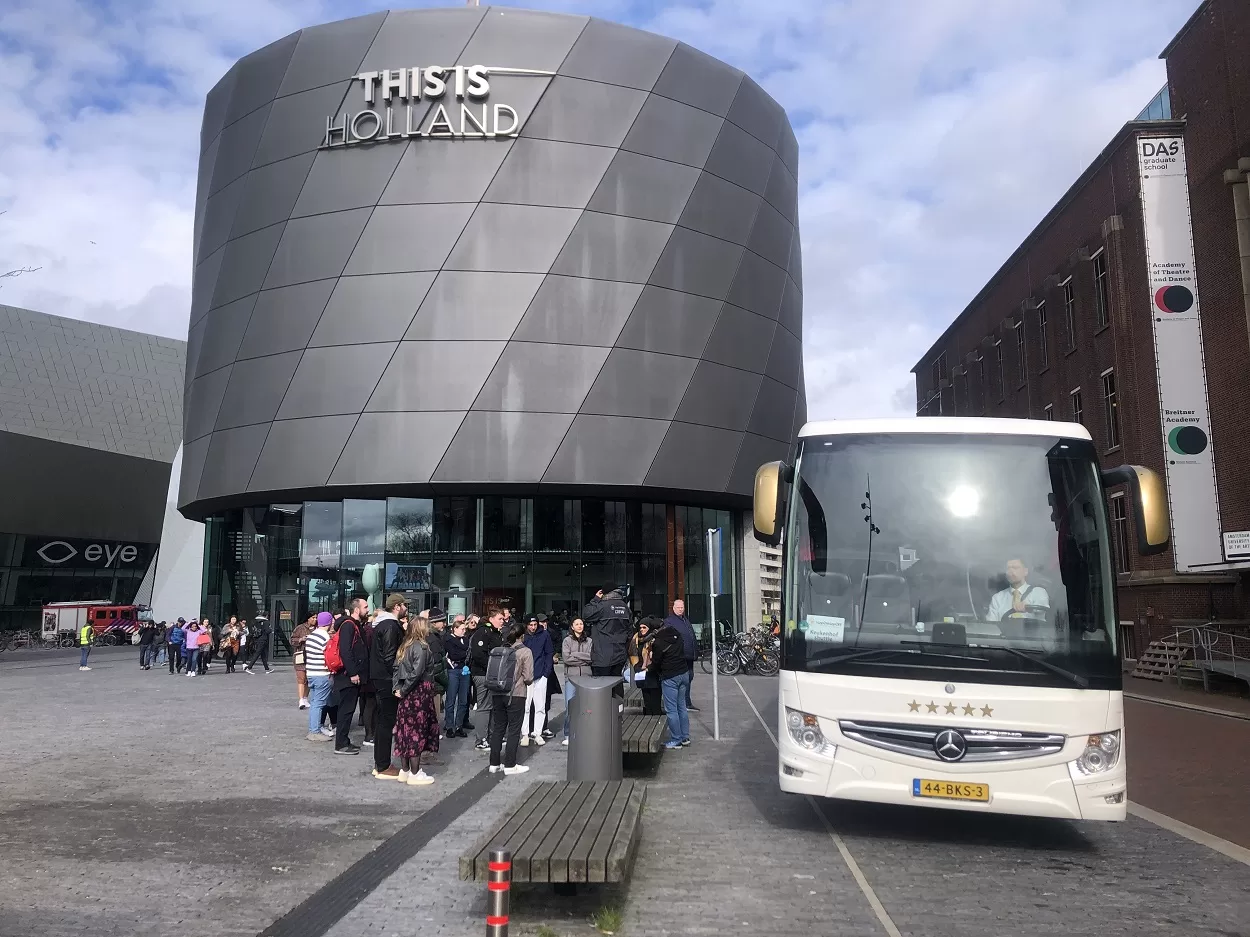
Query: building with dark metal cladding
column 489, row 306
column 1086, row 319
column 90, row 420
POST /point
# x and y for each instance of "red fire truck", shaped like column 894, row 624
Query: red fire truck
column 112, row 624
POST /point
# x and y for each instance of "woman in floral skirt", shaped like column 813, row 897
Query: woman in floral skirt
column 416, row 722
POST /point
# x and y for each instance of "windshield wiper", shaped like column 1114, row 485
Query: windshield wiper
column 1075, row 678
column 830, row 657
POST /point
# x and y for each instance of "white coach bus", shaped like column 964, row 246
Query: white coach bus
column 949, row 614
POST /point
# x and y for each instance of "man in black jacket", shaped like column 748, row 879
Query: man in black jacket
column 147, row 635
column 668, row 658
column 485, row 639
column 608, row 620
column 355, row 654
column 259, row 640
column 388, row 632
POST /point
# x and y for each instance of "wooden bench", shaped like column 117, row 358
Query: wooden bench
column 643, row 734
column 566, row 832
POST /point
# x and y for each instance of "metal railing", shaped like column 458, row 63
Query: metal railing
column 1215, row 651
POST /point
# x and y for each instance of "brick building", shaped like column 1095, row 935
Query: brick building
column 1066, row 328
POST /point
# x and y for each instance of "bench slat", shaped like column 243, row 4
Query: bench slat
column 514, row 842
column 597, row 858
column 624, row 849
column 540, row 861
column 506, row 837
column 468, row 861
column 579, row 869
column 523, row 866
column 558, row 862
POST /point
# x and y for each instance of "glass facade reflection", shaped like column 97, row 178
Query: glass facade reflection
column 35, row 570
column 462, row 553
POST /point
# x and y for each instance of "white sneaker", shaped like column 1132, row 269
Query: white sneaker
column 190, row 674
column 495, row 769
column 303, row 704
column 84, row 668
column 404, row 776
column 516, row 769
column 566, row 741
column 525, row 740
column 420, row 779
column 539, row 740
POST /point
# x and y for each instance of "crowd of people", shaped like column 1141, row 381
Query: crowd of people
column 411, row 680
column 190, row 646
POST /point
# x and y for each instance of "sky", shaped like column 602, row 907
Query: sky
column 933, row 135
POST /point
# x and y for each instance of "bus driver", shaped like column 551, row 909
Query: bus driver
column 1018, row 597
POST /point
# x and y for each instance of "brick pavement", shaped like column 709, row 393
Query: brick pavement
column 1191, row 766
column 1169, row 691
column 202, row 791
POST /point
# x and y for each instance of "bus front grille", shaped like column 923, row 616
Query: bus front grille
column 981, row 744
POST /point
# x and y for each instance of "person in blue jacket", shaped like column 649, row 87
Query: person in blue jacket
column 175, row 639
column 535, row 719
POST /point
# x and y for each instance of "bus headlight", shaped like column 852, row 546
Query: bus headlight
column 1102, row 753
column 804, row 729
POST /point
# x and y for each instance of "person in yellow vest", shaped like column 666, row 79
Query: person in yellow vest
column 85, row 634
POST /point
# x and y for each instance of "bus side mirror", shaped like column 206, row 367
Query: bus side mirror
column 1151, row 503
column 769, row 507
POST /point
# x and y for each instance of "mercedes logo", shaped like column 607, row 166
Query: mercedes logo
column 950, row 688
column 950, row 745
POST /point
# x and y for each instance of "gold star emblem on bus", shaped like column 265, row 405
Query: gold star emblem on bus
column 968, row 710
column 932, row 707
column 914, row 706
column 950, row 709
column 987, row 711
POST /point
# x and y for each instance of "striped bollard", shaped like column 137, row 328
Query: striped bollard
column 499, row 884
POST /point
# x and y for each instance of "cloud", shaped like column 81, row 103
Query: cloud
column 933, row 137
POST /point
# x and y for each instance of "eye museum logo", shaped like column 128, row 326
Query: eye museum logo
column 404, row 103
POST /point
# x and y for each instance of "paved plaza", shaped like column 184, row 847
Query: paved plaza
column 138, row 803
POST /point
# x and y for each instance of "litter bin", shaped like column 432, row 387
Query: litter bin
column 594, row 730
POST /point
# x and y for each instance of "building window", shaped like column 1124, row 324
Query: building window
column 1049, row 411
column 1078, row 412
column 939, row 370
column 1102, row 295
column 1020, row 362
column 1002, row 380
column 1043, row 341
column 1069, row 312
column 981, row 388
column 1119, row 530
column 1111, row 408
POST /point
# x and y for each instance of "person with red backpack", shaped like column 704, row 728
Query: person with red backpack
column 351, row 655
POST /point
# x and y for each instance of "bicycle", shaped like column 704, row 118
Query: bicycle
column 751, row 652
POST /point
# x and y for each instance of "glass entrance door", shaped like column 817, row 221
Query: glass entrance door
column 283, row 610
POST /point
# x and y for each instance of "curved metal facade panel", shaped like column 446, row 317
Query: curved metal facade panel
column 610, row 299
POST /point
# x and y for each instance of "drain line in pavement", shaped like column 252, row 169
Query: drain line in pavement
column 860, row 879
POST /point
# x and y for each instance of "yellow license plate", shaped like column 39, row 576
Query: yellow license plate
column 950, row 790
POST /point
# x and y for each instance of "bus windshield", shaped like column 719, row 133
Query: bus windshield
column 980, row 558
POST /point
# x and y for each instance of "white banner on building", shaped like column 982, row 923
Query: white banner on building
column 1186, row 426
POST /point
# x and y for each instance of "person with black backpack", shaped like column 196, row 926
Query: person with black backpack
column 509, row 673
column 484, row 640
